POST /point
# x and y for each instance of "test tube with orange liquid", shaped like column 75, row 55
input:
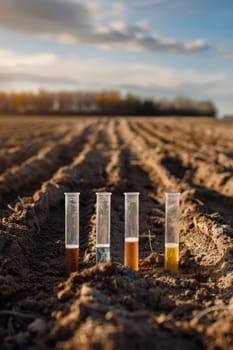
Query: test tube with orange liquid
column 103, row 215
column 71, row 232
column 171, row 256
column 132, row 229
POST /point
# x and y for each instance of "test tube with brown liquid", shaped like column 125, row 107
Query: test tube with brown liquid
column 71, row 232
column 132, row 229
column 171, row 256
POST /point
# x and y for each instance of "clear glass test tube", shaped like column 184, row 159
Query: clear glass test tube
column 131, row 229
column 71, row 231
column 172, row 208
column 103, row 216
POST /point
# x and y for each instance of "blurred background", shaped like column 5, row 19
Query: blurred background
column 151, row 57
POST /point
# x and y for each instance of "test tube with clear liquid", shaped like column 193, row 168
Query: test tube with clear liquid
column 171, row 256
column 132, row 229
column 103, row 217
column 71, row 232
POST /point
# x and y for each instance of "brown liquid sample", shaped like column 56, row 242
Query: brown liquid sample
column 131, row 254
column 72, row 258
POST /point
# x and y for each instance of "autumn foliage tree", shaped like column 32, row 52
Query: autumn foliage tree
column 99, row 103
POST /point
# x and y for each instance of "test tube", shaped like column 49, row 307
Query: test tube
column 103, row 227
column 71, row 231
column 131, row 229
column 172, row 231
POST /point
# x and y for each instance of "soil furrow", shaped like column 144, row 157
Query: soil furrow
column 181, row 141
column 38, row 132
column 201, row 145
column 16, row 156
column 24, row 180
column 152, row 163
column 18, row 227
column 198, row 170
column 209, row 135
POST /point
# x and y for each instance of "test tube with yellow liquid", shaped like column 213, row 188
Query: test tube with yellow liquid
column 131, row 229
column 172, row 209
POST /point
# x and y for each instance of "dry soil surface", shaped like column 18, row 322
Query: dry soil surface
column 108, row 306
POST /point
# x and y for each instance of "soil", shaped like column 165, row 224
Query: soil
column 110, row 306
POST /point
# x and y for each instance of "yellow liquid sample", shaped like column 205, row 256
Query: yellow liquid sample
column 172, row 257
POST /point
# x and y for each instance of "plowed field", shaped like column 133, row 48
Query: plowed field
column 109, row 306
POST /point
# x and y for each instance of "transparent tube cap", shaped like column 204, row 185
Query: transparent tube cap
column 72, row 220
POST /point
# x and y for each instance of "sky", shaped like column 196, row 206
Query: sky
column 150, row 48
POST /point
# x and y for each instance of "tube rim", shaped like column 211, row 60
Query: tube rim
column 73, row 193
column 131, row 193
column 104, row 193
column 172, row 193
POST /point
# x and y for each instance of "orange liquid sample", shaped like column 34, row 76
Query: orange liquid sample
column 131, row 252
column 72, row 258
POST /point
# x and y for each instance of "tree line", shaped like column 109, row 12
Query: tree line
column 100, row 103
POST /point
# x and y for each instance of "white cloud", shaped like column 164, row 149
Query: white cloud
column 31, row 71
column 105, row 10
column 73, row 22
column 10, row 59
column 118, row 25
column 15, row 80
column 101, row 74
